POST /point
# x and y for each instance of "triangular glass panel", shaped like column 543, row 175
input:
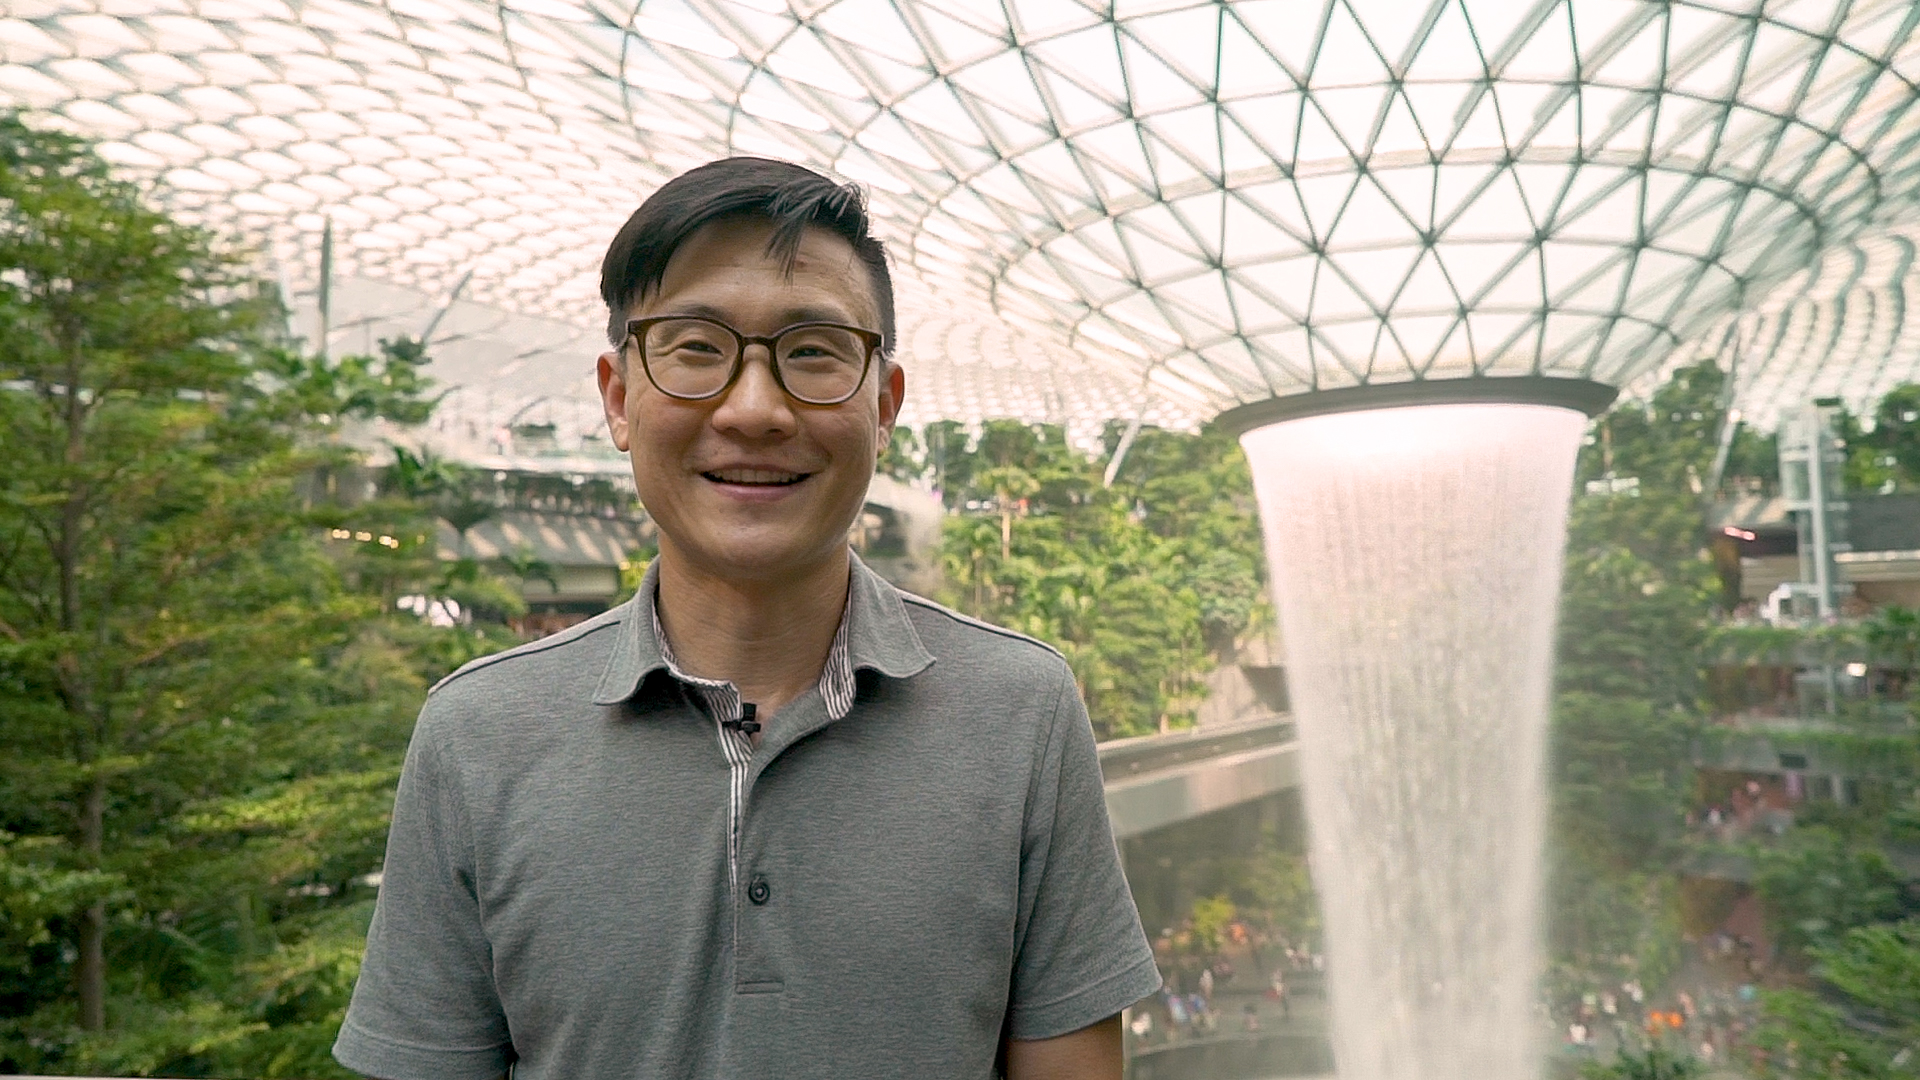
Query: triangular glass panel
column 1522, row 105
column 1345, row 56
column 1419, row 337
column 1400, row 135
column 1392, row 26
column 1156, row 260
column 1597, row 24
column 1601, row 295
column 1318, row 143
column 1324, row 196
column 1355, row 341
column 1480, row 128
column 1457, row 186
column 1664, row 190
column 1498, row 335
column 1091, row 57
column 1426, row 291
column 1115, row 188
column 1204, row 296
column 1185, row 37
column 1012, row 134
column 1379, row 274
column 1139, row 313
column 1518, row 289
column 1103, row 239
column 1235, row 364
column 1280, row 201
column 1610, row 217
column 1252, row 237
column 1602, row 108
column 1411, row 189
column 1352, row 113
column 1547, row 54
column 1039, row 18
column 1194, row 132
column 1202, row 217
column 1473, row 268
column 1697, row 227
column 872, row 27
column 1569, row 340
column 1657, row 275
column 1556, row 128
column 1171, row 169
column 1278, row 25
column 1272, row 122
column 1436, row 107
column 1371, row 218
column 957, row 41
column 1152, row 86
column 1498, row 213
column 1496, row 24
column 1246, row 68
column 1287, row 283
column 1254, row 313
column 1240, row 156
column 1448, row 54
column 1073, row 107
column 1570, row 265
column 1003, row 185
column 1454, row 354
column 1005, row 83
column 1287, row 351
column 1637, row 61
column 1542, row 186
column 1333, row 368
column 1775, row 74
column 1117, row 148
column 803, row 59
column 1336, row 298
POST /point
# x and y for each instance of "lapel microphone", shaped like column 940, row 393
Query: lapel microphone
column 745, row 723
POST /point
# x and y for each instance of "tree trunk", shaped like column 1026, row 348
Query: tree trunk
column 92, row 975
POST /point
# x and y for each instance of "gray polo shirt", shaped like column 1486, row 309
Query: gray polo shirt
column 913, row 878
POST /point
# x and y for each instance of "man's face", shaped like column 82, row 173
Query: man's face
column 752, row 485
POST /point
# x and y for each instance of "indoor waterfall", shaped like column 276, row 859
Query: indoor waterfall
column 1416, row 556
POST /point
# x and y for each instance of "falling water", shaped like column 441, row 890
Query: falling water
column 1416, row 565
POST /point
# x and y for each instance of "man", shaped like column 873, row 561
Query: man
column 772, row 817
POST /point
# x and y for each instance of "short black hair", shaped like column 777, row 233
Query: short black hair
column 791, row 197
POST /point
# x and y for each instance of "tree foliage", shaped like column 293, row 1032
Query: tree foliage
column 1142, row 585
column 205, row 688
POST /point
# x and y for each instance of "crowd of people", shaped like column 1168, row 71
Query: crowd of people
column 1208, row 993
column 1712, row 1023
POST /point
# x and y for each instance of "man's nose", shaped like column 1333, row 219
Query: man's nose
column 755, row 405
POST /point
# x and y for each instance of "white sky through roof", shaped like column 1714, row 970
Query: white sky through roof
column 1097, row 208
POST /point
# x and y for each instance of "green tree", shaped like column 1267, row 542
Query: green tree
column 1864, row 1020
column 203, row 700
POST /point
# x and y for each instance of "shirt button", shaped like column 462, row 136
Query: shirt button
column 758, row 891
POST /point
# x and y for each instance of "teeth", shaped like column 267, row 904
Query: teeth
column 754, row 476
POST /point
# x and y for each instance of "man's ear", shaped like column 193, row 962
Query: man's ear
column 613, row 396
column 893, row 389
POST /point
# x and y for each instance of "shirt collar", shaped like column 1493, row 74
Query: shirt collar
column 875, row 635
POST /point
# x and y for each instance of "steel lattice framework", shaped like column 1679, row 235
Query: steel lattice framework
column 1099, row 208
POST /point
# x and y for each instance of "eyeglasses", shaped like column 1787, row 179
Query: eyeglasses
column 692, row 358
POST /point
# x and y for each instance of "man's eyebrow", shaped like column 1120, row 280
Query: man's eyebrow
column 788, row 316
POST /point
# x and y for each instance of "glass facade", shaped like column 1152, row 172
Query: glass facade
column 1098, row 208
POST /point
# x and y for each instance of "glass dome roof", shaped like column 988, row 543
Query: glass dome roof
column 1099, row 208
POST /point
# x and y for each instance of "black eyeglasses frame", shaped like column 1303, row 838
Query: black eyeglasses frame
column 637, row 333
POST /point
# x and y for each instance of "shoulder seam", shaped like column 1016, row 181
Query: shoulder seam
column 527, row 649
column 978, row 624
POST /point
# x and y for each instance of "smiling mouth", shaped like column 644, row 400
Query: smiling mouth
column 756, row 477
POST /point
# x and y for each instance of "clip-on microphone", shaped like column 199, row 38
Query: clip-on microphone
column 745, row 724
